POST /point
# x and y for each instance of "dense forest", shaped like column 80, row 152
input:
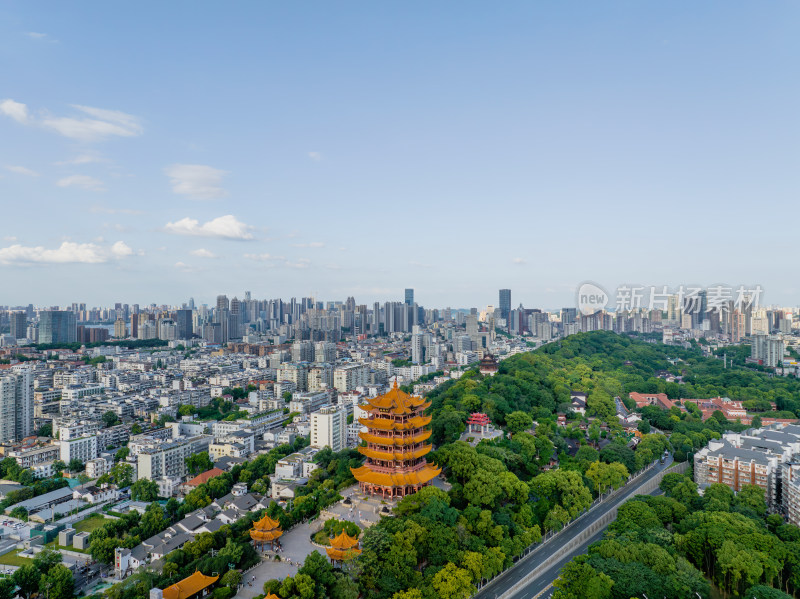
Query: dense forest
column 604, row 365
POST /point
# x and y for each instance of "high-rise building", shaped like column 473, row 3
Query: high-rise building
column 57, row 326
column 120, row 330
column 768, row 349
column 409, row 297
column 19, row 325
column 16, row 405
column 505, row 304
column 183, row 318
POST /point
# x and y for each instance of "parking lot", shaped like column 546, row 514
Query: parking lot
column 12, row 526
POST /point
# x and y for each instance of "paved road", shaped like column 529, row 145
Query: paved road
column 535, row 559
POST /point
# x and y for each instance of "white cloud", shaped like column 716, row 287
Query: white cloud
column 67, row 253
column 21, row 170
column 313, row 244
column 105, row 123
column 197, row 181
column 519, row 261
column 83, row 181
column 225, row 227
column 315, row 156
column 203, row 253
column 36, row 36
column 15, row 110
column 121, row 249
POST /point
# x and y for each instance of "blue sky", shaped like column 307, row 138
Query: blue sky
column 154, row 151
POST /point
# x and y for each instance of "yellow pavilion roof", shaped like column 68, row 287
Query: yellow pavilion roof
column 398, row 401
column 266, row 523
column 341, row 555
column 389, row 441
column 343, row 541
column 387, row 424
column 265, row 536
column 399, row 479
column 390, row 455
column 189, row 586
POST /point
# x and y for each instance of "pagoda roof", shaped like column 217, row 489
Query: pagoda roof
column 391, row 456
column 343, row 541
column 398, row 401
column 191, row 585
column 387, row 424
column 265, row 536
column 266, row 523
column 422, row 476
column 410, row 440
column 341, row 555
column 478, row 417
column 271, row 596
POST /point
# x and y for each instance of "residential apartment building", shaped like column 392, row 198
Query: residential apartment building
column 168, row 459
column 329, row 428
column 81, row 448
column 753, row 458
column 350, row 376
column 16, row 405
column 306, row 403
column 27, row 458
column 790, row 500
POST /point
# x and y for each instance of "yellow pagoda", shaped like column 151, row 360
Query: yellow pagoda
column 343, row 548
column 396, row 440
column 266, row 531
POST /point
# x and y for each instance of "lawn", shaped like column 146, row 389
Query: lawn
column 13, row 559
column 89, row 524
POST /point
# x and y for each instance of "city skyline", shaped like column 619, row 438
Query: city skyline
column 280, row 146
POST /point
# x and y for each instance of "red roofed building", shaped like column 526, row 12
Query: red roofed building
column 651, row 399
column 204, row 477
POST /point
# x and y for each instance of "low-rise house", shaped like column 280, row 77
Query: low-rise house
column 93, row 494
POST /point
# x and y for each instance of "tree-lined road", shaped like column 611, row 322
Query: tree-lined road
column 536, row 559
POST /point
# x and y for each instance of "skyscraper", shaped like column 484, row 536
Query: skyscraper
column 19, row 325
column 505, row 304
column 409, row 297
column 57, row 326
column 16, row 406
column 183, row 318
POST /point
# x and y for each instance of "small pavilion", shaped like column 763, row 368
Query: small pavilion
column 478, row 422
column 343, row 548
column 265, row 531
